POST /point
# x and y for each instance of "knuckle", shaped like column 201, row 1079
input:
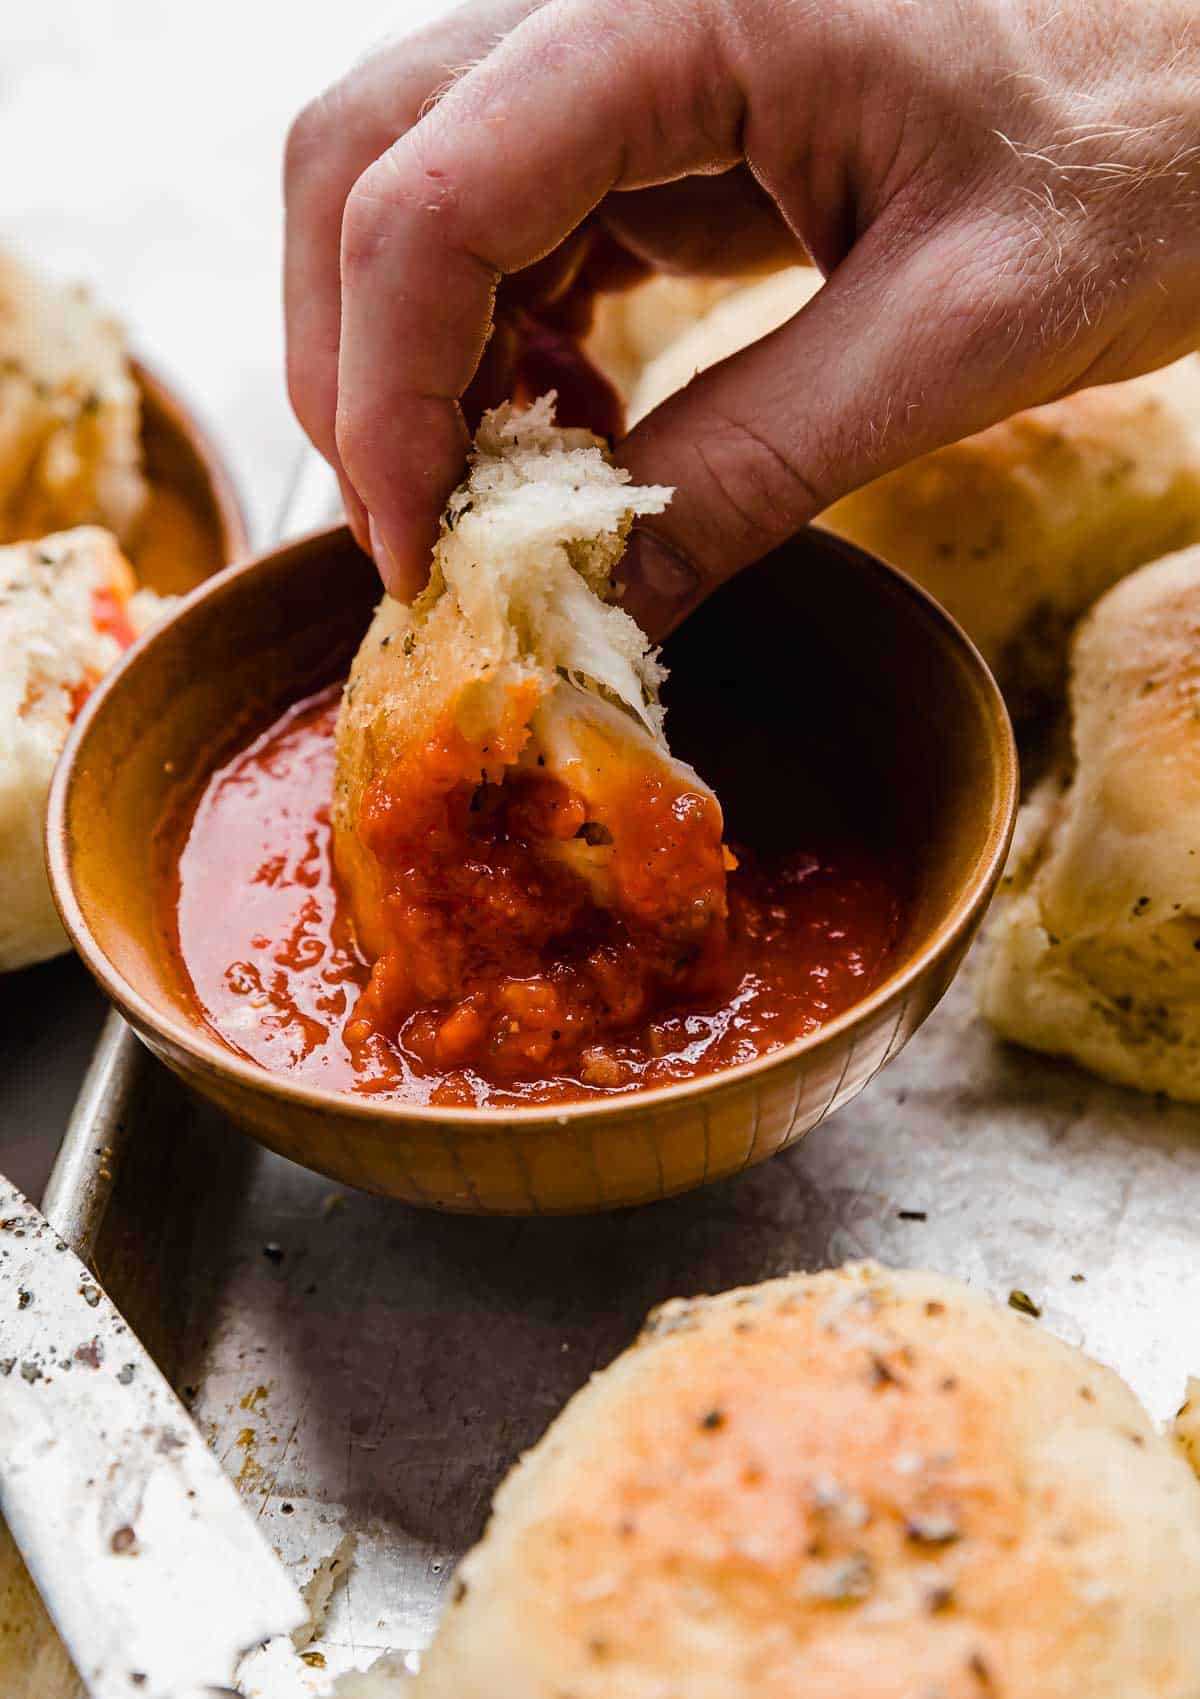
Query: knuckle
column 378, row 200
column 405, row 184
column 365, row 223
column 762, row 489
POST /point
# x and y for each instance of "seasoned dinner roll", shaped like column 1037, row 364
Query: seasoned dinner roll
column 70, row 430
column 1093, row 948
column 516, row 682
column 850, row 1485
column 68, row 607
column 519, row 608
column 1016, row 531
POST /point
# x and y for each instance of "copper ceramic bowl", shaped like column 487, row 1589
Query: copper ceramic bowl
column 820, row 662
column 194, row 523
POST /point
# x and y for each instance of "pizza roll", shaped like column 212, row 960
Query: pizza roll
column 728, row 323
column 525, row 860
column 70, row 418
column 1093, row 948
column 68, row 607
column 859, row 1484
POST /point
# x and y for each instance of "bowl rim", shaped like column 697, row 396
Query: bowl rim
column 181, row 414
column 212, row 1056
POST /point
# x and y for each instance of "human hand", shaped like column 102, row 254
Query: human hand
column 1004, row 195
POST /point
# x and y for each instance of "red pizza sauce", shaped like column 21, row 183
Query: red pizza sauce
column 267, row 943
column 110, row 616
column 522, row 926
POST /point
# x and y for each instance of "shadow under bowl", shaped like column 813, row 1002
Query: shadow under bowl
column 819, row 667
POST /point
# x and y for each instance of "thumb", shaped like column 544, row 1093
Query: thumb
column 890, row 359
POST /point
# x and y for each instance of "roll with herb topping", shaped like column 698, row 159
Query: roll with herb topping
column 1093, row 948
column 70, row 412
column 850, row 1485
column 1019, row 529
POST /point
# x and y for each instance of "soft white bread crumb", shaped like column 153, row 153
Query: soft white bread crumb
column 276, row 1670
column 1093, row 947
column 520, row 587
column 70, row 425
column 331, row 1573
column 850, row 1485
column 53, row 652
column 528, row 548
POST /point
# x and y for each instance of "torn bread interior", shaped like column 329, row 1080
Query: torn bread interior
column 528, row 866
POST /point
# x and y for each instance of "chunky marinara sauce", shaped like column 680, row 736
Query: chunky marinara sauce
column 268, row 944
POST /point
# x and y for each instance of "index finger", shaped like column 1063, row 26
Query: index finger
column 331, row 143
column 570, row 106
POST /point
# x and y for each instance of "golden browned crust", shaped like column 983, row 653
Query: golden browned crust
column 851, row 1485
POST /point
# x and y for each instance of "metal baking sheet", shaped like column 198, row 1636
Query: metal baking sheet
column 360, row 1366
column 68, row 1062
column 364, row 1368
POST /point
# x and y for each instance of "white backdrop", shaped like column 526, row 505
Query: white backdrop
column 141, row 142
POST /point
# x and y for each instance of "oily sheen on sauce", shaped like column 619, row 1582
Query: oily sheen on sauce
column 263, row 937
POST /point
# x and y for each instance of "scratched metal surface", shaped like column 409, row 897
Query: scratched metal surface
column 361, row 1366
column 122, row 1512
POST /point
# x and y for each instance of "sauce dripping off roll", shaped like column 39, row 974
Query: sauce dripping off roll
column 254, row 913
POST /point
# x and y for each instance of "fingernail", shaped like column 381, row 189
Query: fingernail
column 660, row 583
